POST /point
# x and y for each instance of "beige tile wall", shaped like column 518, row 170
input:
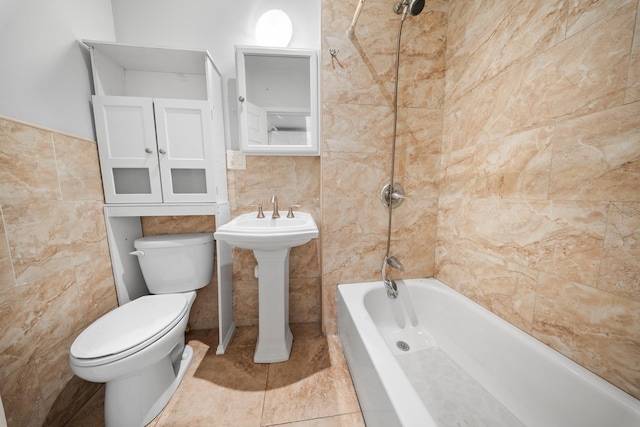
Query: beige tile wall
column 55, row 269
column 357, row 108
column 538, row 213
column 294, row 180
column 539, row 209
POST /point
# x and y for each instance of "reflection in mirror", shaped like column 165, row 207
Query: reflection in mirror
column 278, row 101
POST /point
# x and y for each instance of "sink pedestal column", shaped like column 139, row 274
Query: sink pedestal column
column 274, row 334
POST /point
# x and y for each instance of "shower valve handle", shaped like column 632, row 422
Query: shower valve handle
column 398, row 196
column 394, row 197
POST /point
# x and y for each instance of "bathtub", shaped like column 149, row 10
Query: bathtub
column 435, row 358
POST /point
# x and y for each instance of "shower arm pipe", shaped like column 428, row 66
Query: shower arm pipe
column 352, row 28
column 393, row 140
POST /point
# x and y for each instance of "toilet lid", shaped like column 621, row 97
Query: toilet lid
column 129, row 325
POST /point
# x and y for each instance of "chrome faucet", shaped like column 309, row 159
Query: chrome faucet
column 274, row 200
column 392, row 288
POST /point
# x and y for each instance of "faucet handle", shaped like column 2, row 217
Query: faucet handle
column 290, row 214
column 260, row 213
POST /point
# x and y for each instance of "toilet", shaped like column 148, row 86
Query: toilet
column 139, row 348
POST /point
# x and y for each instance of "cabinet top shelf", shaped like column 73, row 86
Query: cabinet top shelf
column 150, row 58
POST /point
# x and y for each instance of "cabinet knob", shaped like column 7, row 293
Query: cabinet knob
column 161, row 151
column 148, row 150
column 241, row 98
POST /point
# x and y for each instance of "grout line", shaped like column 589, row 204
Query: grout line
column 55, row 162
column 629, row 63
column 313, row 419
column 6, row 242
column 264, row 396
column 610, row 207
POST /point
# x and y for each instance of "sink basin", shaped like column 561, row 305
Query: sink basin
column 248, row 232
column 271, row 240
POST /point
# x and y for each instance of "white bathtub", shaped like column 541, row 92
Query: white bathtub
column 465, row 366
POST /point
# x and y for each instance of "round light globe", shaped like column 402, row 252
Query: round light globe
column 274, row 28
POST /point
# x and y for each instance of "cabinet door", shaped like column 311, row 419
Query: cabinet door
column 257, row 128
column 185, row 147
column 127, row 146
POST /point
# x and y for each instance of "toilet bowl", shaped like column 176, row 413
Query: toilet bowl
column 138, row 349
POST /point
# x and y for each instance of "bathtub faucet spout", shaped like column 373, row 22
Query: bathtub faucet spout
column 392, row 288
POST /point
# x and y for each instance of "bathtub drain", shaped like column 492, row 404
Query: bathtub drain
column 403, row 346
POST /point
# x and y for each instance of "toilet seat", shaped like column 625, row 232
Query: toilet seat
column 128, row 329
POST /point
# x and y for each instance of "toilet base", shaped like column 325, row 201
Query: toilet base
column 136, row 400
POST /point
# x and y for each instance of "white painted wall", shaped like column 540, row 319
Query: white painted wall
column 44, row 73
column 214, row 25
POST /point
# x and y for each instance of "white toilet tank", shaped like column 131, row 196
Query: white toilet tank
column 175, row 262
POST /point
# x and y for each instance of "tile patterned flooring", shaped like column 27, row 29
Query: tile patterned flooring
column 312, row 389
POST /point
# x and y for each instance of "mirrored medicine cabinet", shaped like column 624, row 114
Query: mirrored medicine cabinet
column 277, row 101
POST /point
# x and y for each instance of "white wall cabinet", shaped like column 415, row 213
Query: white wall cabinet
column 159, row 124
column 278, row 107
column 155, row 150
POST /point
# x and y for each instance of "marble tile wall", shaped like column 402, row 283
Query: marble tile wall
column 518, row 135
column 357, row 108
column 294, row 180
column 55, row 269
column 54, row 259
column 539, row 204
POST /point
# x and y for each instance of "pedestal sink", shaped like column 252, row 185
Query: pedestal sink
column 271, row 239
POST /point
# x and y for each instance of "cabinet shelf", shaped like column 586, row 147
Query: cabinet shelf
column 131, row 70
column 154, row 59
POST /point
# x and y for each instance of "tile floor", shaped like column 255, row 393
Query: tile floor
column 312, row 389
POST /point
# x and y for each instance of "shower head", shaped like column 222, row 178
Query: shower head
column 413, row 7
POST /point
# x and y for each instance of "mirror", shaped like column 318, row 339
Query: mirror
column 277, row 101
